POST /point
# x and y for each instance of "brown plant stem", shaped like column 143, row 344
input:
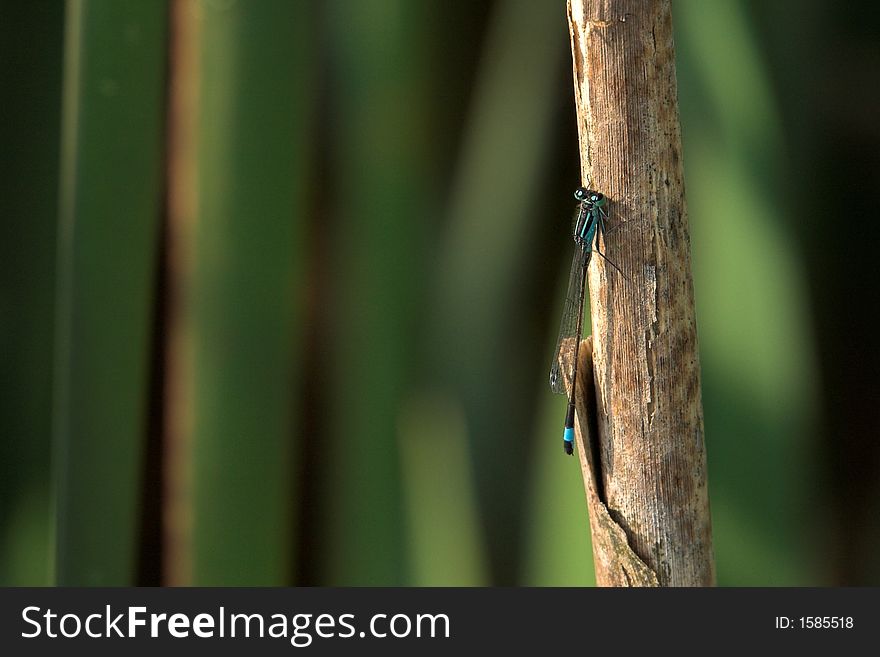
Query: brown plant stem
column 651, row 465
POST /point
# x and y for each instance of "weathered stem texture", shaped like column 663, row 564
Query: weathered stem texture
column 652, row 459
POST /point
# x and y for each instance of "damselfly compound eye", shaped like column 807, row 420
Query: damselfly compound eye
column 580, row 193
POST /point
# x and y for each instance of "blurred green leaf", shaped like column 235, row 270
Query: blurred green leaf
column 30, row 84
column 111, row 202
column 758, row 369
column 380, row 74
column 477, row 338
column 446, row 541
column 243, row 298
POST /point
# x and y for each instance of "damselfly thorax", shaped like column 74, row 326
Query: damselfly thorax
column 588, row 216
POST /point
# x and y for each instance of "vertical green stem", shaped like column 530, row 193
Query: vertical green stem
column 382, row 214
column 109, row 217
column 241, row 299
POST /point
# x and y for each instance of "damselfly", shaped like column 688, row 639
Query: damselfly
column 589, row 223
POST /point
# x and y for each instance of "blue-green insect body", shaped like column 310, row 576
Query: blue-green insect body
column 590, row 216
column 590, row 221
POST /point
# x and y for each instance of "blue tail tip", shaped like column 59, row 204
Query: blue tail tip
column 568, row 440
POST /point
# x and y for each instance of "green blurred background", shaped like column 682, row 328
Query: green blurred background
column 281, row 279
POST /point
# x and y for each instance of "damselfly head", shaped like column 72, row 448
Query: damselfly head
column 585, row 195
